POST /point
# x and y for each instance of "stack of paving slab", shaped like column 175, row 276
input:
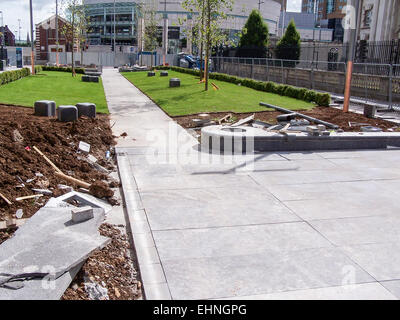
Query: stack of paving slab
column 45, row 254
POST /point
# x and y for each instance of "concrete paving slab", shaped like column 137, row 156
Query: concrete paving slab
column 203, row 208
column 392, row 286
column 380, row 260
column 241, row 240
column 61, row 246
column 270, row 272
column 355, row 231
column 364, row 291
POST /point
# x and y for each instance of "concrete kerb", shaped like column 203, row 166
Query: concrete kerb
column 155, row 285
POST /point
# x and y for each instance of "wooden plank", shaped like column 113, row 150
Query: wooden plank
column 29, row 197
column 5, row 199
column 73, row 180
column 47, row 159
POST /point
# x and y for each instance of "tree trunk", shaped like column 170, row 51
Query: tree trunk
column 202, row 43
column 208, row 30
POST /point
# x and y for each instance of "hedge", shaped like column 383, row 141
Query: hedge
column 10, row 76
column 321, row 99
column 63, row 69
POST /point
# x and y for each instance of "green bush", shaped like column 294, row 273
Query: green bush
column 321, row 99
column 63, row 69
column 10, row 76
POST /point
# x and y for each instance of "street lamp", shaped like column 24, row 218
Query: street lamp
column 1, row 25
column 32, row 42
column 57, row 59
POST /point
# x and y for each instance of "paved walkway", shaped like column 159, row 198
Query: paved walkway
column 314, row 225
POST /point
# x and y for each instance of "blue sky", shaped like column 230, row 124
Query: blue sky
column 19, row 9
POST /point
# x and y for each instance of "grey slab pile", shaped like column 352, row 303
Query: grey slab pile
column 48, row 245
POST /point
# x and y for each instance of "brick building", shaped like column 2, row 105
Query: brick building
column 46, row 38
column 8, row 36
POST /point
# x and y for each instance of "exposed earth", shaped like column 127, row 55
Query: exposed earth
column 331, row 115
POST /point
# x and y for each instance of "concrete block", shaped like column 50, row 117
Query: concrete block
column 286, row 117
column 94, row 79
column 369, row 111
column 82, row 214
column 151, row 74
column 164, row 74
column 45, row 108
column 88, row 78
column 174, row 82
column 86, row 109
column 67, row 113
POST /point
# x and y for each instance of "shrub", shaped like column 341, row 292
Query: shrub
column 323, row 99
column 10, row 76
column 63, row 69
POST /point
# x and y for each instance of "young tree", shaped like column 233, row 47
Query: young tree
column 254, row 37
column 149, row 14
column 210, row 15
column 288, row 47
column 75, row 30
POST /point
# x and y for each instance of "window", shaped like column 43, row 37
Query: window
column 367, row 17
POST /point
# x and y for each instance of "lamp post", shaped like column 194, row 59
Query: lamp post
column 259, row 4
column 351, row 53
column 57, row 59
column 32, row 42
column 1, row 25
column 115, row 49
column 19, row 30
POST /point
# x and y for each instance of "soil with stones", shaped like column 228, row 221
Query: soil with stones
column 23, row 169
column 110, row 267
column 331, row 115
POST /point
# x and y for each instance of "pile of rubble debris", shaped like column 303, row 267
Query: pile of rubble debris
column 56, row 183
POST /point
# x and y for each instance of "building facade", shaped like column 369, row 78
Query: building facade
column 8, row 37
column 130, row 25
column 46, row 38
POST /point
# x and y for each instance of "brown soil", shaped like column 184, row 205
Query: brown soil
column 19, row 163
column 111, row 265
column 331, row 115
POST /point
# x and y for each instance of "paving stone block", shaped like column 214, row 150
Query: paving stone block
column 86, row 109
column 45, row 108
column 151, row 74
column 67, row 113
column 82, row 214
column 87, row 78
column 164, row 74
column 174, row 82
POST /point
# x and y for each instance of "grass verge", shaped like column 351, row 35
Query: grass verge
column 191, row 98
column 60, row 87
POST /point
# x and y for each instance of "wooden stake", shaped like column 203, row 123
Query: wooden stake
column 29, row 197
column 73, row 180
column 47, row 159
column 5, row 199
column 215, row 86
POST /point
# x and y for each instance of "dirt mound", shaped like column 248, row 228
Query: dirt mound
column 22, row 168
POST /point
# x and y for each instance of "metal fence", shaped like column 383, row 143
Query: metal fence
column 371, row 82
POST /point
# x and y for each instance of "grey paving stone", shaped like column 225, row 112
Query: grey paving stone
column 61, row 246
column 158, row 291
column 67, row 113
column 230, row 276
column 380, row 260
column 365, row 230
column 364, row 291
column 202, row 208
column 45, row 108
column 152, row 274
column 239, row 240
column 393, row 287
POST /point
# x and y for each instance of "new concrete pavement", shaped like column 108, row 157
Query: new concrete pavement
column 315, row 225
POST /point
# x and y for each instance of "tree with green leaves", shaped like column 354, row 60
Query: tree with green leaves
column 254, row 37
column 210, row 14
column 76, row 28
column 288, row 47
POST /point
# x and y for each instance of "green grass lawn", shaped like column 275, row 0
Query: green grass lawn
column 60, row 87
column 191, row 98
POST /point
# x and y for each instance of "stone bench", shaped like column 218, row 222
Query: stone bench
column 45, row 108
column 87, row 78
column 86, row 109
column 174, row 82
column 67, row 113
